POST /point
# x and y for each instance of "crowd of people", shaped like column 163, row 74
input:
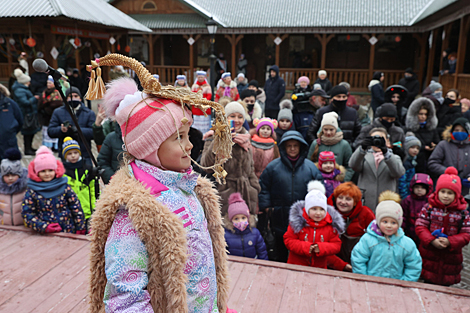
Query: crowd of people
column 312, row 180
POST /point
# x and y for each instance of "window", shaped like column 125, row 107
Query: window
column 149, row 5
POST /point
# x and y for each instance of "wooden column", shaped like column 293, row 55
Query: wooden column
column 432, row 54
column 234, row 39
column 278, row 47
column 10, row 61
column 191, row 56
column 151, row 39
column 445, row 42
column 162, row 52
column 77, row 59
column 422, row 41
column 372, row 53
column 324, row 40
column 463, row 35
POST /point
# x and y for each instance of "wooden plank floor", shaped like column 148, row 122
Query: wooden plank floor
column 49, row 274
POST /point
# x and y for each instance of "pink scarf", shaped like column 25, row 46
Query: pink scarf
column 378, row 156
column 227, row 91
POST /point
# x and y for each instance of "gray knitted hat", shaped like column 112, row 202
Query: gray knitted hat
column 411, row 141
column 12, row 163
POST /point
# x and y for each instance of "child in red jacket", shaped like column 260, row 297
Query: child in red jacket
column 314, row 229
column 443, row 228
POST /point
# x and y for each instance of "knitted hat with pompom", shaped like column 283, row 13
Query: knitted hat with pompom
column 450, row 180
column 44, row 160
column 236, row 205
column 265, row 121
column 316, row 196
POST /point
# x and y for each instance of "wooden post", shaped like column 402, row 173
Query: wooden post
column 278, row 47
column 464, row 26
column 233, row 39
column 191, row 56
column 324, row 40
column 10, row 61
column 162, row 52
column 151, row 39
column 77, row 59
column 371, row 55
column 445, row 42
column 421, row 39
column 432, row 54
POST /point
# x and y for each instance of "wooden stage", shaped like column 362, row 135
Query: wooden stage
column 48, row 273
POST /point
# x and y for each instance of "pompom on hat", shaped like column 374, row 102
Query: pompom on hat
column 69, row 145
column 265, row 121
column 450, row 180
column 236, row 205
column 11, row 164
column 21, row 77
column 44, row 160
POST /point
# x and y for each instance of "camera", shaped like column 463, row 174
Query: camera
column 378, row 141
column 66, row 123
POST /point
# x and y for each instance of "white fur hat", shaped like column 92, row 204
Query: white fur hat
column 316, row 196
column 321, row 72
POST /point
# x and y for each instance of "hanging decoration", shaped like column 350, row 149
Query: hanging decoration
column 127, row 49
column 54, row 53
column 30, row 41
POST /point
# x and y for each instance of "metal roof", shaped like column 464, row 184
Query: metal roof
column 93, row 11
column 317, row 13
column 159, row 21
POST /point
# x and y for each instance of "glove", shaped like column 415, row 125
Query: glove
column 465, row 182
column 398, row 151
column 366, row 143
column 81, row 232
column 53, row 228
column 439, row 233
column 384, row 149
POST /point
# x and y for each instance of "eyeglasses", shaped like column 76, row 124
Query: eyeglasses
column 250, row 101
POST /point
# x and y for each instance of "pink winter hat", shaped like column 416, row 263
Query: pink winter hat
column 44, row 160
column 265, row 121
column 236, row 205
column 304, row 79
column 146, row 121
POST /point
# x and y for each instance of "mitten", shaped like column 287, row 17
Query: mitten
column 53, row 228
column 81, row 232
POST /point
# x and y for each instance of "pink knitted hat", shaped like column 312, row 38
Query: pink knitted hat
column 44, row 160
column 326, row 156
column 265, row 121
column 236, row 205
column 146, row 122
column 303, row 78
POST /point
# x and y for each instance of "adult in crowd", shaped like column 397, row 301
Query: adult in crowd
column 200, row 121
column 397, row 95
column 449, row 111
column 23, row 61
column 465, row 104
column 253, row 107
column 38, row 83
column 260, row 94
column 434, row 93
column 411, row 83
column 352, row 102
column 347, row 200
column 303, row 85
column 240, row 168
column 304, row 111
column 376, row 89
column 386, row 117
column 77, row 82
column 323, row 81
column 49, row 101
column 422, row 121
column 348, row 120
column 61, row 124
column 242, row 64
column 330, row 138
column 283, row 182
column 117, row 72
column 28, row 104
column 378, row 167
column 110, row 155
column 453, row 150
column 227, row 88
column 11, row 121
column 275, row 89
column 242, row 82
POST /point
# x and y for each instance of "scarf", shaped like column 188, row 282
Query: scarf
column 293, row 160
column 243, row 140
column 378, row 157
column 227, row 92
column 330, row 141
column 262, row 143
column 50, row 189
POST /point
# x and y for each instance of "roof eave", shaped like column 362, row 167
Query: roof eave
column 202, row 11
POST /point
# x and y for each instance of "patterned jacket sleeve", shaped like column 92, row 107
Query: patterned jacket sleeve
column 29, row 212
column 126, row 269
column 75, row 208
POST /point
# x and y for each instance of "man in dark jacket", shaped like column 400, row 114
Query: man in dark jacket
column 387, row 115
column 283, row 182
column 347, row 117
column 110, row 154
column 11, row 121
column 411, row 83
column 275, row 89
column 62, row 126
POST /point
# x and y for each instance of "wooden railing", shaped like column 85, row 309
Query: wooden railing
column 463, row 83
column 358, row 78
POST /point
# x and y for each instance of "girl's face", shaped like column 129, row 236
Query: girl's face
column 451, row 95
column 239, row 218
column 422, row 115
column 413, row 151
column 284, row 124
column 344, row 203
column 395, row 97
column 388, row 226
column 329, row 131
column 317, row 213
column 303, row 84
column 446, row 196
column 46, row 175
column 10, row 179
column 170, row 153
column 328, row 167
column 238, row 119
column 50, row 84
column 419, row 190
column 181, row 82
column 265, row 131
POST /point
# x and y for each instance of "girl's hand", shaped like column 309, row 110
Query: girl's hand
column 314, row 248
column 348, row 268
column 444, row 241
column 438, row 244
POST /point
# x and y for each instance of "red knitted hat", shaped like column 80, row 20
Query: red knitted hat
column 326, row 156
column 236, row 205
column 450, row 180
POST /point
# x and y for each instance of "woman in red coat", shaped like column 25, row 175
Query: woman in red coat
column 346, row 198
column 314, row 228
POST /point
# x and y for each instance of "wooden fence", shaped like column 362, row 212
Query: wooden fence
column 463, row 83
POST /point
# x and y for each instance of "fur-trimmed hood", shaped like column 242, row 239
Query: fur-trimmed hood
column 342, row 170
column 229, row 225
column 298, row 222
column 257, row 112
column 412, row 114
column 372, row 83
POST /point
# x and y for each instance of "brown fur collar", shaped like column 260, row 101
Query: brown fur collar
column 342, row 170
column 164, row 237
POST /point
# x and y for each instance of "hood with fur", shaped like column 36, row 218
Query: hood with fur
column 16, row 187
column 298, row 222
column 373, row 83
column 412, row 114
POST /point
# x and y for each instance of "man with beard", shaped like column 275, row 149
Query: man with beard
column 347, row 117
column 411, row 83
column 304, row 112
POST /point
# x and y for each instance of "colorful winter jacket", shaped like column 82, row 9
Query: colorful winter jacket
column 405, row 180
column 304, row 232
column 396, row 258
column 443, row 266
column 333, row 179
column 11, row 198
column 248, row 243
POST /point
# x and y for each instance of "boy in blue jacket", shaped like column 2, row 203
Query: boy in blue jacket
column 242, row 238
column 385, row 251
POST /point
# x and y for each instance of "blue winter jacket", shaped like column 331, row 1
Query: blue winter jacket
column 11, row 122
column 275, row 89
column 247, row 243
column 85, row 117
column 27, row 102
column 374, row 255
column 282, row 184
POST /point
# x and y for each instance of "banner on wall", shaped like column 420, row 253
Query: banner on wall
column 76, row 32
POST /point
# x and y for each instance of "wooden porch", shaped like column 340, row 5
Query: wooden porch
column 49, row 273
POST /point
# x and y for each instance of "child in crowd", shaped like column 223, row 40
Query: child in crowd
column 412, row 147
column 226, row 87
column 157, row 244
column 264, row 144
column 333, row 174
column 285, row 119
column 385, row 251
column 421, row 187
column 81, row 176
column 314, row 228
column 181, row 82
column 12, row 188
column 443, row 228
column 50, row 205
column 242, row 238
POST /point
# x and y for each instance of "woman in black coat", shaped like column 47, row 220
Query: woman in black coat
column 377, row 91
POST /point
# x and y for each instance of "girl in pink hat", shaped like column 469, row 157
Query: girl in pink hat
column 264, row 143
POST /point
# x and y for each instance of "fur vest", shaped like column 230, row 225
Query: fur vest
column 164, row 237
